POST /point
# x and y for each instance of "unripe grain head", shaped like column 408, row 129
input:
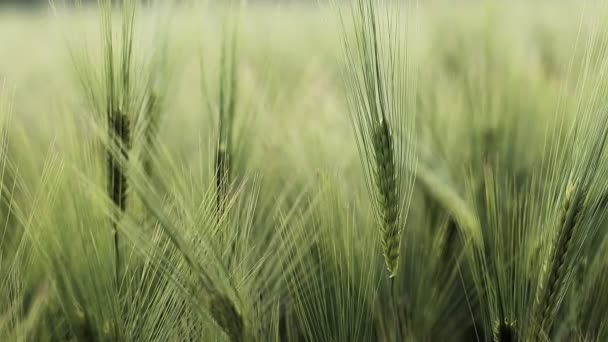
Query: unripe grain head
column 552, row 286
column 227, row 317
column 386, row 184
column 504, row 331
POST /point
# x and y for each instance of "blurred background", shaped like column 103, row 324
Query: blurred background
column 490, row 77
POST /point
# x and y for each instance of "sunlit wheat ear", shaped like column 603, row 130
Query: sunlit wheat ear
column 227, row 317
column 548, row 296
column 504, row 331
column 386, row 183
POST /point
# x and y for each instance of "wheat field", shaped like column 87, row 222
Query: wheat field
column 358, row 170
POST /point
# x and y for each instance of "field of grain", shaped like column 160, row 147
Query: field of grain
column 361, row 171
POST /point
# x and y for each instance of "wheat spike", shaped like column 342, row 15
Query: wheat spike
column 547, row 301
column 386, row 183
column 120, row 133
column 119, row 127
column 222, row 177
column 504, row 331
column 227, row 317
column 151, row 128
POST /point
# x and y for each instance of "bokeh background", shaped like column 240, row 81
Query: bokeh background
column 491, row 78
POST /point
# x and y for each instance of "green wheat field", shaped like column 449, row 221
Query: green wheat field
column 340, row 171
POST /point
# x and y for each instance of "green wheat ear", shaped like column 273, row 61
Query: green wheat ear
column 548, row 298
column 380, row 104
column 222, row 176
column 386, row 183
column 504, row 331
column 227, row 317
column 119, row 127
column 120, row 133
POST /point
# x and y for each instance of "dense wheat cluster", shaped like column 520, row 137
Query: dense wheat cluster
column 358, row 170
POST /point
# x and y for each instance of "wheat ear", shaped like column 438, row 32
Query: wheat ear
column 504, row 331
column 119, row 127
column 547, row 300
column 151, row 122
column 386, row 183
column 225, row 314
